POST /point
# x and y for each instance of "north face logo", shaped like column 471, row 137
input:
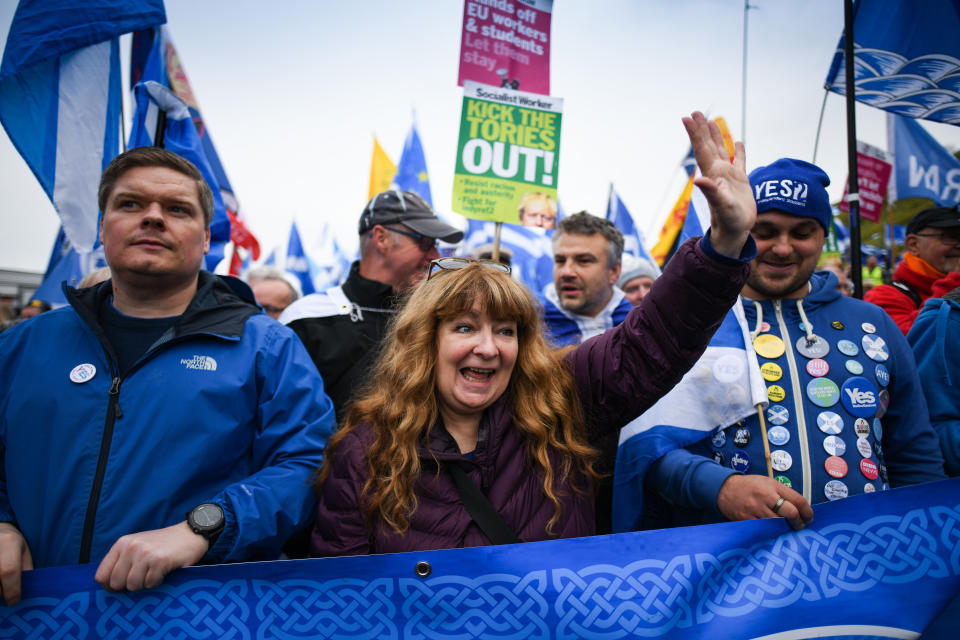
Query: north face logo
column 203, row 363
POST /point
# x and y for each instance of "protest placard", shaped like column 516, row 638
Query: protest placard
column 873, row 176
column 506, row 43
column 509, row 147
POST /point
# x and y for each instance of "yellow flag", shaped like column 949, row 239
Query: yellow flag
column 678, row 215
column 382, row 170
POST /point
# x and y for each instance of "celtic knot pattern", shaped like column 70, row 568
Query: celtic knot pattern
column 38, row 618
column 644, row 598
column 949, row 520
column 502, row 606
column 342, row 608
column 200, row 609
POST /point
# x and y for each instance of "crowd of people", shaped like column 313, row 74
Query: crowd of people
column 168, row 417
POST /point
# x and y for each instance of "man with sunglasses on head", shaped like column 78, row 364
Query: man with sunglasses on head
column 342, row 327
column 930, row 267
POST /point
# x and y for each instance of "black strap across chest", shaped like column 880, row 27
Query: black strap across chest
column 478, row 506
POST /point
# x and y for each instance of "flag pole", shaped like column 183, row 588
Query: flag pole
column 161, row 128
column 495, row 254
column 853, row 196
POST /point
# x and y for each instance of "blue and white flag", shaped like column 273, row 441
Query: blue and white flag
column 180, row 137
column 60, row 95
column 66, row 265
column 618, row 214
column 907, row 58
column 298, row 263
column 271, row 259
column 532, row 249
column 412, row 172
column 922, row 168
column 724, row 386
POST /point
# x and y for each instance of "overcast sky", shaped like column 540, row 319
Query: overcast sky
column 293, row 93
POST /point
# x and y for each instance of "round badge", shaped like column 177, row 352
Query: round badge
column 863, row 446
column 768, row 346
column 877, row 430
column 883, row 399
column 740, row 461
column 741, row 437
column 776, row 393
column 883, row 376
column 719, row 458
column 861, row 427
column 784, row 480
column 869, row 469
column 778, row 436
column 848, row 348
column 859, row 397
column 869, row 488
column 780, row 460
column 836, row 467
column 836, row 324
column 764, row 327
column 802, row 327
column 728, row 368
column 813, row 347
column 835, row 490
column 868, row 328
column 771, row 371
column 853, row 367
column 875, row 347
column 818, row 367
column 778, row 414
column 829, row 422
column 834, row 445
column 719, row 439
column 823, row 392
column 82, row 373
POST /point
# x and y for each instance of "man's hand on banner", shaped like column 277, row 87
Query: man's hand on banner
column 141, row 560
column 14, row 559
column 746, row 497
column 725, row 185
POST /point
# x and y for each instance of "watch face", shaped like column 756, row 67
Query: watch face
column 207, row 516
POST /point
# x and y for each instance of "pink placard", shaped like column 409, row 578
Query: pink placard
column 873, row 176
column 506, row 43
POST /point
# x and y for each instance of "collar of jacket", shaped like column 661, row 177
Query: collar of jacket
column 823, row 290
column 215, row 308
column 442, row 446
column 368, row 293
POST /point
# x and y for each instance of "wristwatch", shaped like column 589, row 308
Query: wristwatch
column 206, row 520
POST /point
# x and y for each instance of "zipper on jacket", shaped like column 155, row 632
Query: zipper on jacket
column 113, row 412
column 797, row 403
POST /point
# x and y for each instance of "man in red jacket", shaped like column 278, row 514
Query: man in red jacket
column 929, row 268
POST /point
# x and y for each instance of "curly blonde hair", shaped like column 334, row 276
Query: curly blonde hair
column 399, row 400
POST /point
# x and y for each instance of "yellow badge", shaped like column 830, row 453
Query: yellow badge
column 768, row 345
column 776, row 393
column 771, row 371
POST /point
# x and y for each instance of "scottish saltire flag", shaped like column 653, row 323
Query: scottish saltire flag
column 271, row 259
column 382, row 170
column 60, row 96
column 66, row 265
column 906, row 57
column 922, row 168
column 618, row 214
column 412, row 168
column 724, row 386
column 180, row 137
column 532, row 248
column 298, row 263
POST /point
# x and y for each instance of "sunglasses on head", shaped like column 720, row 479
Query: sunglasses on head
column 453, row 264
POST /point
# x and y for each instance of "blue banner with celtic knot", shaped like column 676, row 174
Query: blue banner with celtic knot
column 881, row 565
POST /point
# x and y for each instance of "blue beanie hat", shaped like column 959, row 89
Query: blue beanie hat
column 794, row 187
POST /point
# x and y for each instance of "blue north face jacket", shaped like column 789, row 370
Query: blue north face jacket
column 226, row 407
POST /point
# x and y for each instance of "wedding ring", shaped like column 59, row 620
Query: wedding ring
column 776, row 507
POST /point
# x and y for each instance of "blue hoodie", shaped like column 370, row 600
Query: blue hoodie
column 935, row 338
column 687, row 481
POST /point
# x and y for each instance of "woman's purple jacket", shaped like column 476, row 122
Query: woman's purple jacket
column 619, row 374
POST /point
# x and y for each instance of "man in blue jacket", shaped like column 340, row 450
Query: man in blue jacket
column 160, row 420
column 846, row 413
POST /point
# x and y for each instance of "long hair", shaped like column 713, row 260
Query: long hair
column 399, row 399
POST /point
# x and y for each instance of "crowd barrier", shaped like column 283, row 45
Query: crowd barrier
column 881, row 565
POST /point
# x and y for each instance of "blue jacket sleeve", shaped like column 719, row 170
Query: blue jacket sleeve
column 935, row 339
column 295, row 418
column 688, row 480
